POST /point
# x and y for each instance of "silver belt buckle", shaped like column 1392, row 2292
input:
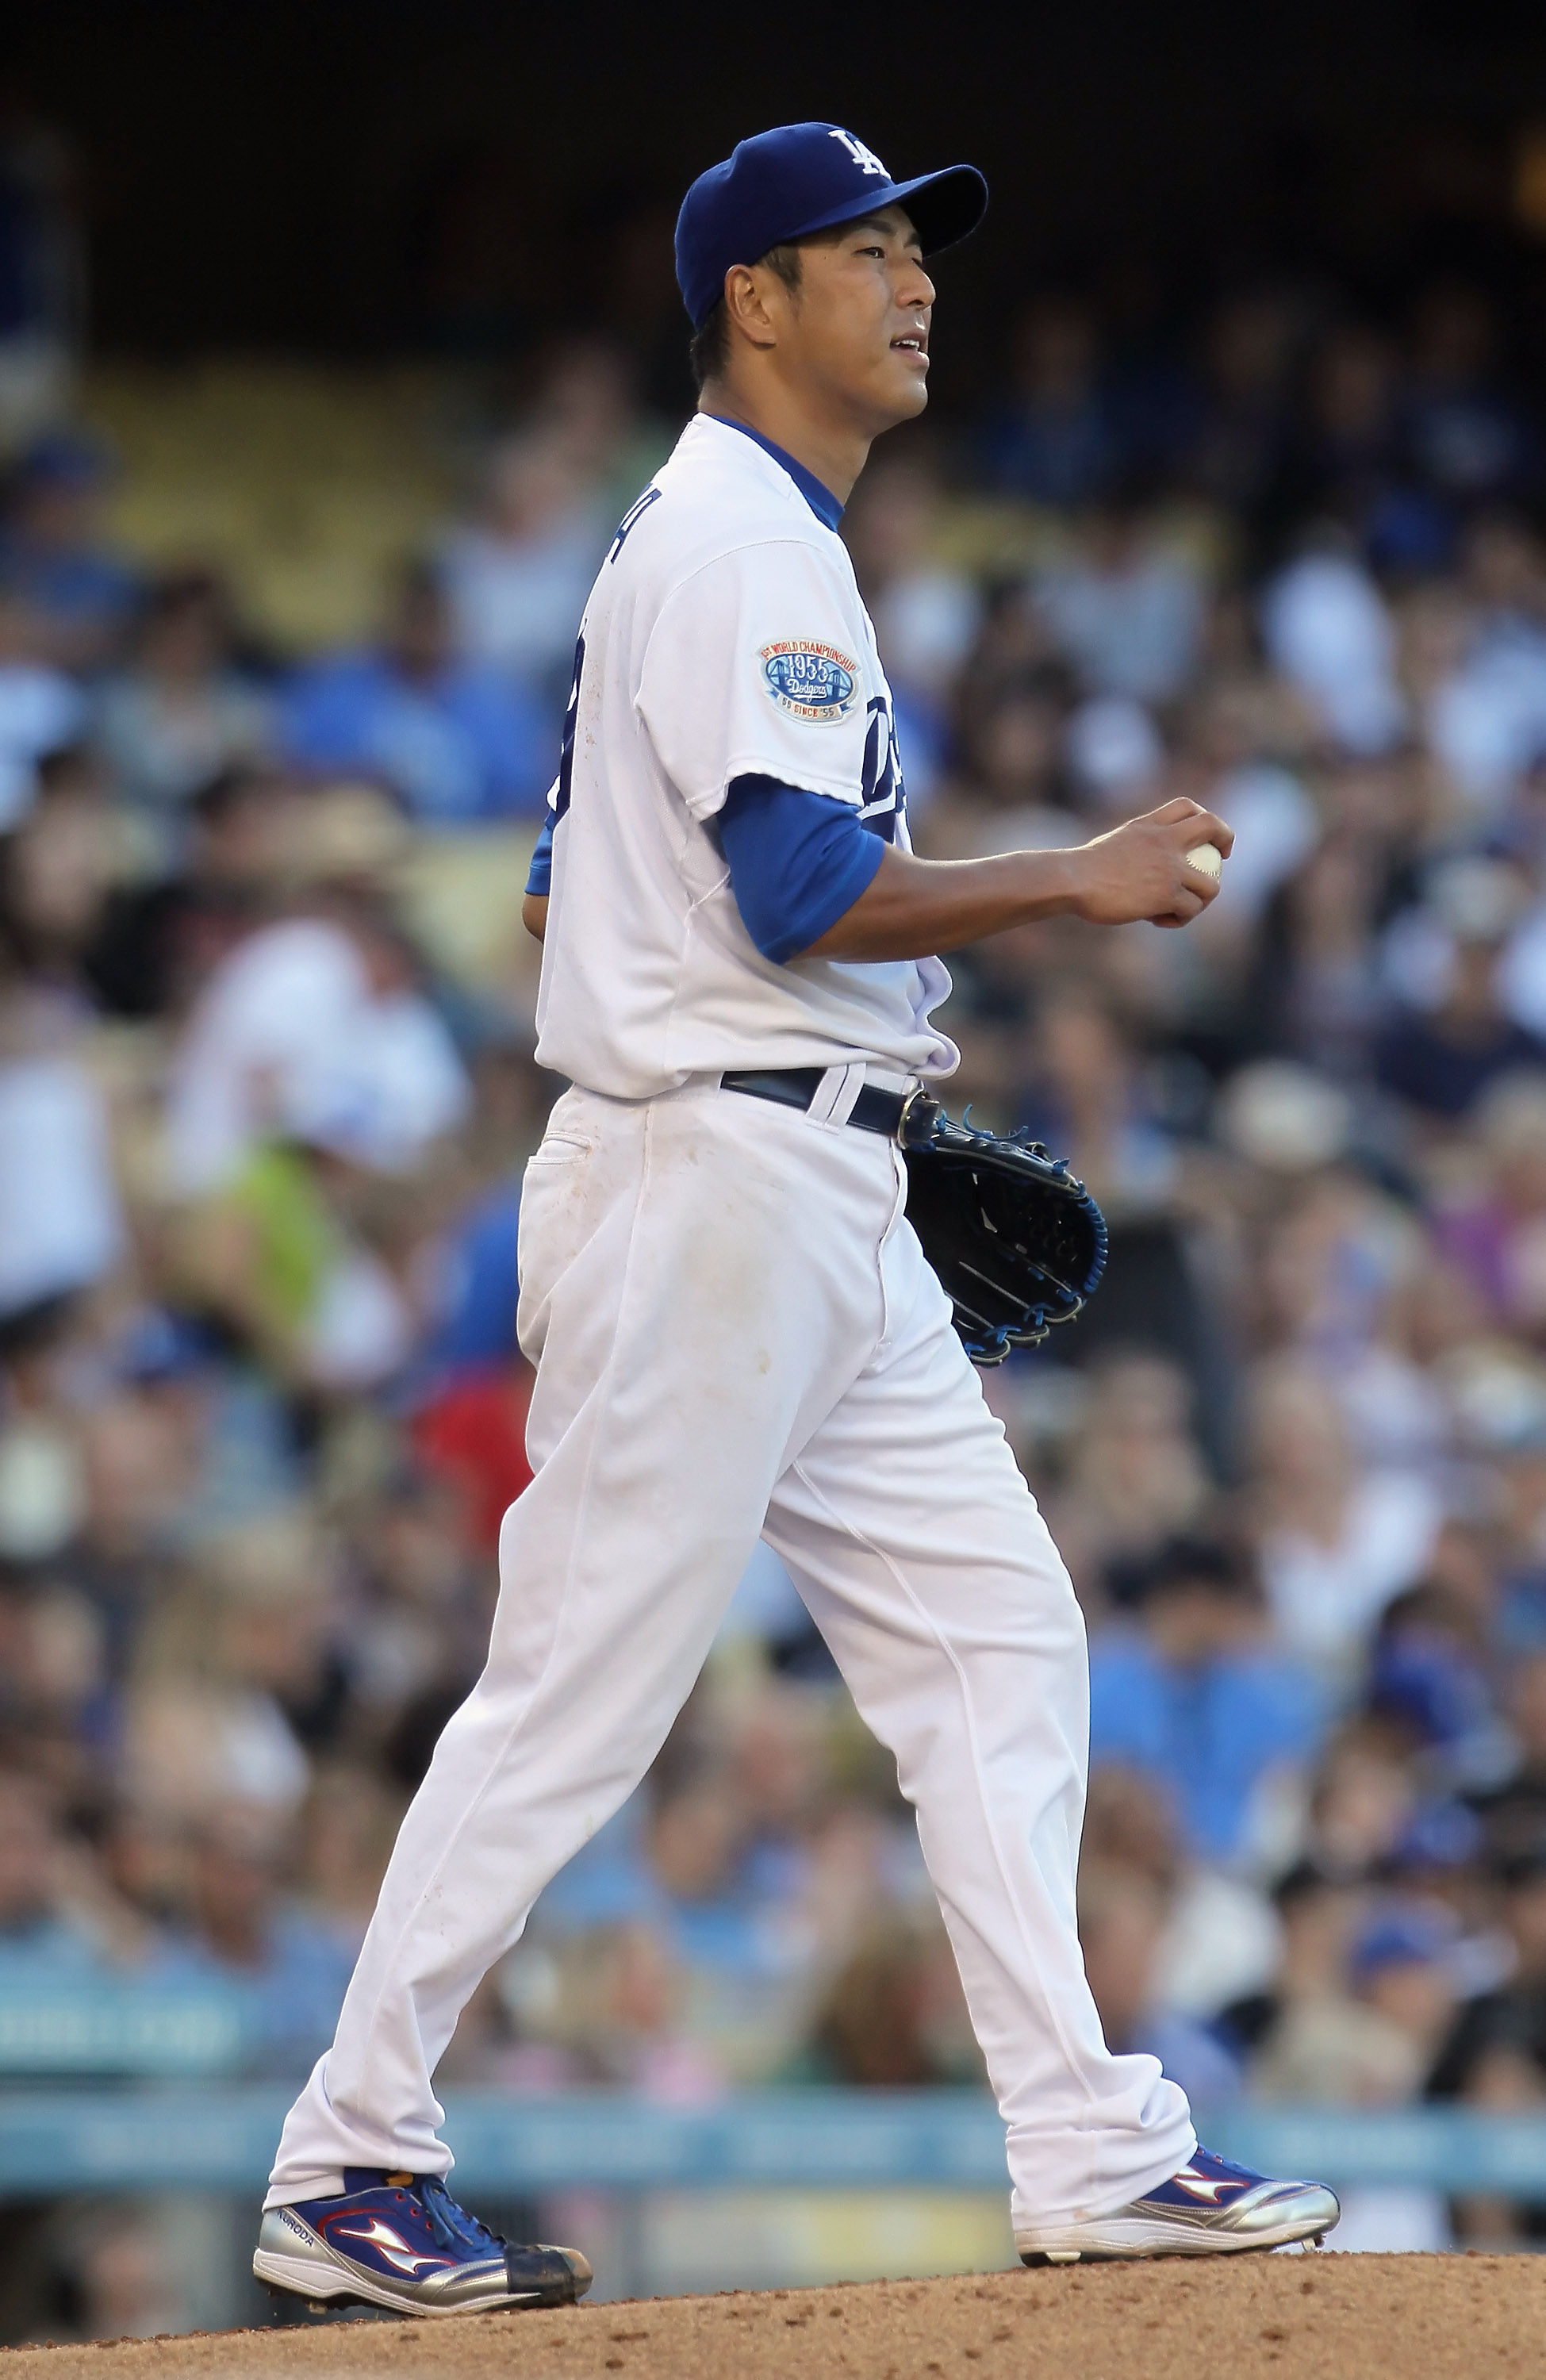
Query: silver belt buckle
column 919, row 1116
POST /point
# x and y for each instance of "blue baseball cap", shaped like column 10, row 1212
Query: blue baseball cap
column 1411, row 1933
column 800, row 179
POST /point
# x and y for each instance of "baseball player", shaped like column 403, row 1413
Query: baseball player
column 735, row 1332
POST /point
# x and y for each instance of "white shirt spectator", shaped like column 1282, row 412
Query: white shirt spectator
column 1487, row 723
column 1276, row 825
column 926, row 623
column 1114, row 750
column 1130, row 629
column 291, row 1036
column 163, row 747
column 40, row 710
column 1325, row 1599
column 1328, row 630
column 517, row 580
column 61, row 1227
column 1521, row 977
column 362, row 1330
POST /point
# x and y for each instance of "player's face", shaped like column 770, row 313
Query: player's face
column 860, row 325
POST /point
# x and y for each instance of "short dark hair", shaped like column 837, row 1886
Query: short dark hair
column 709, row 351
column 1217, row 1566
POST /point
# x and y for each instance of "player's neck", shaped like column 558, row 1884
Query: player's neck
column 833, row 453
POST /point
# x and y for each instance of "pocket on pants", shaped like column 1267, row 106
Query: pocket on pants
column 559, row 1200
column 558, row 1146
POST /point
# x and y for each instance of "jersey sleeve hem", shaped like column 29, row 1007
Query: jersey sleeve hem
column 756, row 764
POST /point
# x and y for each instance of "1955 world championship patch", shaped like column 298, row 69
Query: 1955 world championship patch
column 810, row 681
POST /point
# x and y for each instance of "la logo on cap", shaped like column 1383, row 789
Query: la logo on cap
column 862, row 156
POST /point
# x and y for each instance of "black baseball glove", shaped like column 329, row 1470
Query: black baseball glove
column 1016, row 1240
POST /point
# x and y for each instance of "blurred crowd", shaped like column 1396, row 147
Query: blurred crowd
column 263, row 1113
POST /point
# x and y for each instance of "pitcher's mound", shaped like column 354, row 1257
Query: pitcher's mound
column 1307, row 2317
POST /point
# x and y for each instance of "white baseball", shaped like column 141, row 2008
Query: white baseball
column 1208, row 860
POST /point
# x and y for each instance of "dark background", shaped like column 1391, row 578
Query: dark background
column 342, row 178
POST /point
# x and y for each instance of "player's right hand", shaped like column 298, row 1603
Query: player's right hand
column 1138, row 870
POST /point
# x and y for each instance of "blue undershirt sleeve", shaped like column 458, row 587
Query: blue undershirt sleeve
column 798, row 861
column 539, row 875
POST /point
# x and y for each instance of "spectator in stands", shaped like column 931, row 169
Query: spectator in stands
column 1497, row 1233
column 459, row 741
column 1470, row 439
column 1055, row 441
column 1125, row 607
column 156, row 942
column 1010, row 790
column 926, row 613
column 56, row 867
column 1401, row 1966
column 1190, row 1690
column 1513, row 1807
column 41, row 273
column 318, row 1014
column 893, row 2018
column 1318, row 1913
column 1318, row 978
column 1336, row 1543
column 1327, row 629
column 1453, row 1036
column 609, row 2004
column 1475, row 657
column 44, row 1940
column 517, row 575
column 1495, row 2055
column 1348, row 461
column 586, row 398
column 55, row 555
column 243, row 1931
column 1122, row 1914
column 41, row 709
column 1233, row 453
column 61, row 1213
column 181, row 710
column 1242, row 734
column 1133, row 1473
column 273, row 1257
column 1369, row 2039
column 115, row 2275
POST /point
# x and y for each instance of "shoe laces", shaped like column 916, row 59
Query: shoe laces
column 452, row 2225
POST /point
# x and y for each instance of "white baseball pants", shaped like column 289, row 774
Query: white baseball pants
column 737, row 1334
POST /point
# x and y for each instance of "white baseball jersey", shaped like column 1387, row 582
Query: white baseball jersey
column 724, row 638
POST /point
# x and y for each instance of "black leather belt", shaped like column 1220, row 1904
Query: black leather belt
column 796, row 1087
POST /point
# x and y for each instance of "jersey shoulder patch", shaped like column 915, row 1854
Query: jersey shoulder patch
column 815, row 682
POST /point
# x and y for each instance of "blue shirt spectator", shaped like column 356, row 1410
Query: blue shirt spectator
column 290, row 1970
column 290, row 1987
column 1187, row 1694
column 459, row 742
column 1469, row 440
column 54, row 555
column 481, row 1288
column 1056, row 442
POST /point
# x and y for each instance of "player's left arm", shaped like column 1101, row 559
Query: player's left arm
column 533, row 915
column 1138, row 870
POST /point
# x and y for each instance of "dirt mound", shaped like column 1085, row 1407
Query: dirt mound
column 1294, row 2317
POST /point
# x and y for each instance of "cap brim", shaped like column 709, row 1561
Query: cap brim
column 944, row 206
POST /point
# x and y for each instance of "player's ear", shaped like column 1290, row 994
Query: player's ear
column 747, row 288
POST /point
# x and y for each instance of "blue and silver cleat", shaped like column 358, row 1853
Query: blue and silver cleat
column 1210, row 2208
column 400, row 2240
